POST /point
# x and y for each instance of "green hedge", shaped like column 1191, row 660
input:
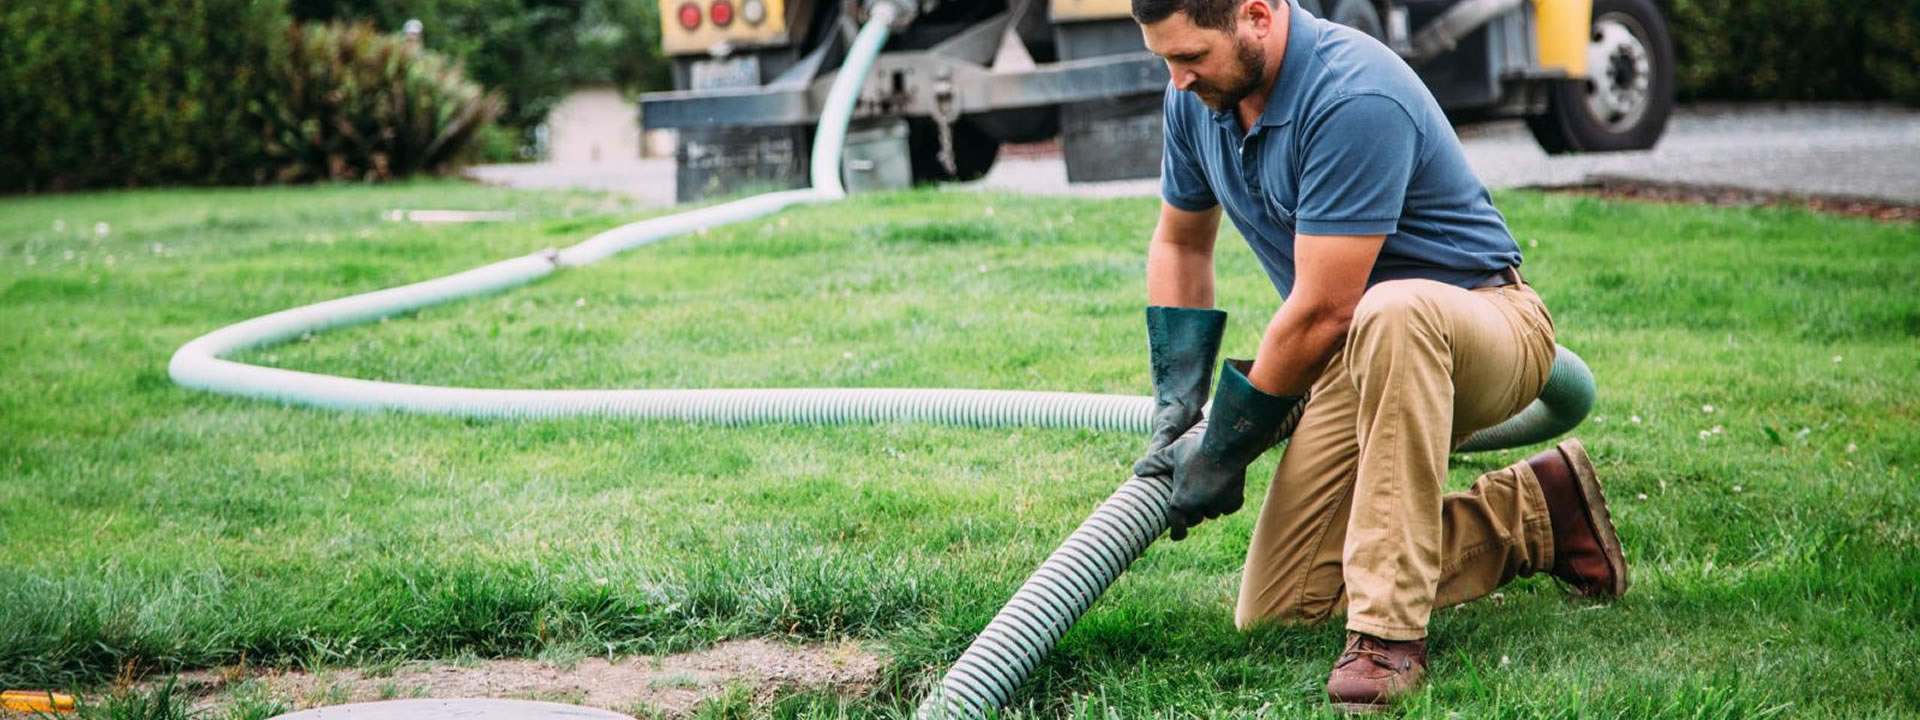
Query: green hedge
column 104, row 93
column 1797, row 49
column 119, row 93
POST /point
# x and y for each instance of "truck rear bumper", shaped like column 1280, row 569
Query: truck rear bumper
column 917, row 84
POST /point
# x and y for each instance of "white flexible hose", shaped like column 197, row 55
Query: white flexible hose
column 198, row 364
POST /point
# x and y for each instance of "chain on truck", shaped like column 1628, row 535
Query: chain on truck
column 962, row 77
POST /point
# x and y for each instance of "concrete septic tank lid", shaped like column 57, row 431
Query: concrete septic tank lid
column 462, row 709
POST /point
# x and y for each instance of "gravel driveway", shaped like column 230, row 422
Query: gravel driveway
column 1864, row 151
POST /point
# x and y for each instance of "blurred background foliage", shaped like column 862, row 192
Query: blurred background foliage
column 532, row 51
column 352, row 103
column 118, row 93
column 1796, row 49
column 130, row 93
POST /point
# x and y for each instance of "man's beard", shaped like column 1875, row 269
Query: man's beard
column 1251, row 62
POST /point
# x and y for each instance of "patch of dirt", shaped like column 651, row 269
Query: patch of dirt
column 669, row 686
column 1616, row 188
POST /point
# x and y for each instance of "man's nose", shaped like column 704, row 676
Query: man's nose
column 1184, row 79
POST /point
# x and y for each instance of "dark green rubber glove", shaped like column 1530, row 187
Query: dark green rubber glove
column 1182, row 344
column 1209, row 463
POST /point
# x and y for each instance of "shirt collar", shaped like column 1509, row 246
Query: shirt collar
column 1303, row 37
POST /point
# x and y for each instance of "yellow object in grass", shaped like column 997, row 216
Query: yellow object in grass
column 36, row 701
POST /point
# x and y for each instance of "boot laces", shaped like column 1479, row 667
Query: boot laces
column 1364, row 646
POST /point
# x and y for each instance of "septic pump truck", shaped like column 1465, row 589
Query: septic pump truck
column 961, row 77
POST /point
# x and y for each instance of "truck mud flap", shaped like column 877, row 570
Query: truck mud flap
column 715, row 162
column 1116, row 139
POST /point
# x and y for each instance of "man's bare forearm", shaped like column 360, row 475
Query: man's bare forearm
column 1312, row 324
column 1180, row 258
column 1295, row 347
column 1179, row 276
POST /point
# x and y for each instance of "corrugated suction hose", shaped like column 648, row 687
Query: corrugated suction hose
column 1055, row 596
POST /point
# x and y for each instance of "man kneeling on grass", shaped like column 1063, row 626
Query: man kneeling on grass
column 1406, row 328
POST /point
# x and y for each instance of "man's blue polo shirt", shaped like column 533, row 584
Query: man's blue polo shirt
column 1350, row 143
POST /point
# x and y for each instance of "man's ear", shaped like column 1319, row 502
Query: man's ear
column 1259, row 16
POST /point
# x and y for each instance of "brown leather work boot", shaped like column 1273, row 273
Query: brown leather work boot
column 1372, row 674
column 1586, row 550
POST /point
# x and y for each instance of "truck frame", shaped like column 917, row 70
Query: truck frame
column 962, row 77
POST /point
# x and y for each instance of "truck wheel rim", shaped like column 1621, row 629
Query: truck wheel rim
column 1619, row 72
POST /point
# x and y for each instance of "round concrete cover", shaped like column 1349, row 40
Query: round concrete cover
column 466, row 709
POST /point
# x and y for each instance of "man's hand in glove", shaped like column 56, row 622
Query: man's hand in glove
column 1208, row 464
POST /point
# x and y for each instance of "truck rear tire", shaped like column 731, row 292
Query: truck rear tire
column 1357, row 14
column 1628, row 95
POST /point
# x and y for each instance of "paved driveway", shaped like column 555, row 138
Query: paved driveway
column 1846, row 150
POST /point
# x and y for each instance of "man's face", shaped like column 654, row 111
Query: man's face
column 1221, row 67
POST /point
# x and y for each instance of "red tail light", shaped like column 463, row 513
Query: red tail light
column 722, row 13
column 690, row 16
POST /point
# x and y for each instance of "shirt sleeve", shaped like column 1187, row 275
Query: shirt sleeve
column 1357, row 161
column 1182, row 183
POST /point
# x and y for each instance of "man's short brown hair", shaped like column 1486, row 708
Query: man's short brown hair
column 1211, row 14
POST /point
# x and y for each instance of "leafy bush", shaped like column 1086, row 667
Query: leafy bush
column 114, row 93
column 1797, row 49
column 532, row 51
column 104, row 93
column 351, row 103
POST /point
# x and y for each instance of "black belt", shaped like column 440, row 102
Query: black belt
column 1500, row 278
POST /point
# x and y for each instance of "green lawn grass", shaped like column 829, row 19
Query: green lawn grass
column 146, row 529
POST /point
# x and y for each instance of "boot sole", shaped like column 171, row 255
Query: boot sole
column 1595, row 506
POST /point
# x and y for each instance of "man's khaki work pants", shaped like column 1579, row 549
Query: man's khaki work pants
column 1355, row 518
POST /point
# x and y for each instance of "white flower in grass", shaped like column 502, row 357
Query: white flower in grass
column 1737, row 488
column 579, row 302
column 30, row 260
column 1708, row 409
column 1704, row 434
column 1850, row 446
column 1533, row 242
column 1717, row 429
column 846, row 356
column 59, row 225
column 109, row 260
column 1636, row 419
column 783, row 223
column 989, row 211
column 600, row 581
column 1599, row 419
column 100, row 229
column 68, row 255
column 159, row 249
column 983, row 268
column 1836, row 358
column 1505, row 661
column 1641, row 496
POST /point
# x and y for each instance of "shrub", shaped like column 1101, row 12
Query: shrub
column 103, row 93
column 532, row 51
column 351, row 103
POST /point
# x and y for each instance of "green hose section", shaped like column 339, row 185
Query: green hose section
column 1563, row 403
